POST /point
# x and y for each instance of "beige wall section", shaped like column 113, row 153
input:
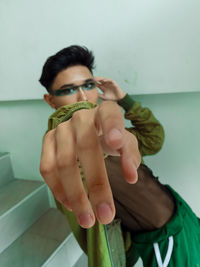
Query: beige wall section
column 23, row 124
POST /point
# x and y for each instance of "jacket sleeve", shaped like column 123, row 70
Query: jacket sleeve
column 147, row 129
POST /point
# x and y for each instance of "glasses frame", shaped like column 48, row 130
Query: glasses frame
column 62, row 92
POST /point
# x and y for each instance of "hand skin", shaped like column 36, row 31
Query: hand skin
column 86, row 136
column 110, row 89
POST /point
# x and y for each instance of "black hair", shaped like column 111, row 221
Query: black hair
column 67, row 57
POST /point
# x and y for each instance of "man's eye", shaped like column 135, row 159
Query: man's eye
column 66, row 91
column 90, row 85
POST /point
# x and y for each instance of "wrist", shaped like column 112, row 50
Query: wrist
column 121, row 95
column 127, row 102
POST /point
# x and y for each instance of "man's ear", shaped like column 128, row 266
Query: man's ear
column 49, row 99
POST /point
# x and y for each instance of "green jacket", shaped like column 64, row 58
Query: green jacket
column 106, row 245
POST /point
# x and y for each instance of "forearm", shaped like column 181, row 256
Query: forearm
column 147, row 128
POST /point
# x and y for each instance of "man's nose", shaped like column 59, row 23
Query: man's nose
column 82, row 96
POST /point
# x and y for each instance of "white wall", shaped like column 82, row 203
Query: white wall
column 147, row 46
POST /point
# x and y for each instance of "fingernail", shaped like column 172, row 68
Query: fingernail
column 115, row 134
column 104, row 213
column 85, row 220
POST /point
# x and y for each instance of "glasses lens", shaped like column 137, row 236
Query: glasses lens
column 69, row 91
column 62, row 92
column 89, row 86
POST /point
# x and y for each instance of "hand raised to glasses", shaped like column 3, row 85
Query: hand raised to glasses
column 86, row 136
column 111, row 90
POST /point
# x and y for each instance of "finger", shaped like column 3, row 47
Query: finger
column 92, row 161
column 100, row 86
column 130, row 158
column 102, row 79
column 99, row 79
column 60, row 195
column 109, row 117
column 101, row 96
column 69, row 175
column 48, row 168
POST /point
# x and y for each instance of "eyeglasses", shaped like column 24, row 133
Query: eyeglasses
column 72, row 90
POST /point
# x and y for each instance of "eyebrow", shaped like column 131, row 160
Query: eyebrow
column 71, row 84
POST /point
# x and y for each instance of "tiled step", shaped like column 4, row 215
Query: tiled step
column 66, row 255
column 41, row 242
column 82, row 261
column 22, row 202
column 32, row 233
column 6, row 171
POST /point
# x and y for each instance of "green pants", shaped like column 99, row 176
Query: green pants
column 177, row 244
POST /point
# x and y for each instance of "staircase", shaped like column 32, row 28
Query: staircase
column 32, row 233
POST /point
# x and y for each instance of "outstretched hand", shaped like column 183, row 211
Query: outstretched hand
column 85, row 137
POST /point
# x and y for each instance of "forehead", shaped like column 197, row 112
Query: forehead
column 72, row 75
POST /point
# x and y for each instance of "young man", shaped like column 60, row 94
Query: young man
column 91, row 163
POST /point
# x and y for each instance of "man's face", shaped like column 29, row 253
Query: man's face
column 70, row 78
